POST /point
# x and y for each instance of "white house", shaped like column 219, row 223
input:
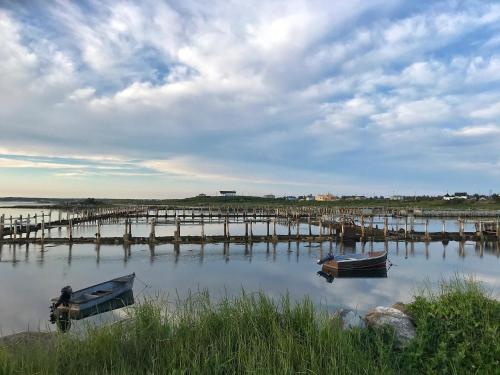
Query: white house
column 227, row 193
column 448, row 197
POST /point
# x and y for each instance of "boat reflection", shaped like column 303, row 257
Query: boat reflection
column 339, row 274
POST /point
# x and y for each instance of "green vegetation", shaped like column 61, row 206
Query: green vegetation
column 457, row 332
column 420, row 202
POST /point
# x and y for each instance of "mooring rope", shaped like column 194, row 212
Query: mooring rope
column 146, row 286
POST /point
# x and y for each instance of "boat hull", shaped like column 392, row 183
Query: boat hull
column 371, row 260
column 99, row 298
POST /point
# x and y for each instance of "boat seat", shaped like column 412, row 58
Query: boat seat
column 99, row 293
column 89, row 296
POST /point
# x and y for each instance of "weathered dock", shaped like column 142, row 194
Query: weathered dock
column 335, row 224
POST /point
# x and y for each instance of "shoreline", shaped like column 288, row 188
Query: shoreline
column 456, row 328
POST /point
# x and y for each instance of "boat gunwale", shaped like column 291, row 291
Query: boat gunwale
column 130, row 276
column 369, row 262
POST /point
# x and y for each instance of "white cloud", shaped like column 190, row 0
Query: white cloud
column 168, row 86
column 491, row 111
column 429, row 111
column 82, row 94
column 478, row 131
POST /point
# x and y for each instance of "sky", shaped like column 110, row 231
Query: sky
column 168, row 99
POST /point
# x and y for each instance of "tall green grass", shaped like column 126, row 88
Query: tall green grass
column 248, row 334
column 256, row 334
column 458, row 330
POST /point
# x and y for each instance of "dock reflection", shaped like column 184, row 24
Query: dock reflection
column 22, row 253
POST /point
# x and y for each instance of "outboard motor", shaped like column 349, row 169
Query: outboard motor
column 61, row 317
column 65, row 296
column 326, row 258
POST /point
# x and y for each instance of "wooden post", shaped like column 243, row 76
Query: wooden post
column 274, row 228
column 371, row 226
column 426, row 229
column 98, row 234
column 386, row 219
column 11, row 228
column 28, row 222
column 320, row 227
column 298, row 227
column 362, row 227
column 443, row 229
column 498, row 230
column 309, row 224
column 42, row 235
column 227, row 228
column 202, row 229
column 152, row 235
column 178, row 230
column 480, row 227
column 289, row 229
column 2, row 221
column 342, row 230
column 267, row 224
column 461, row 228
column 246, row 230
column 70, row 230
column 15, row 230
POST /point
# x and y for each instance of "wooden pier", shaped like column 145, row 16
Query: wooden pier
column 333, row 224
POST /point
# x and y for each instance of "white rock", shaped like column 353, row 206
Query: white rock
column 402, row 324
column 349, row 318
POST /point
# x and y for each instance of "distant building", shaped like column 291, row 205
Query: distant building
column 325, row 197
column 269, row 196
column 460, row 195
column 202, row 195
column 397, row 198
column 227, row 193
column 353, row 197
column 309, row 197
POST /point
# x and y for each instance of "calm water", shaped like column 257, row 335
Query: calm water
column 31, row 275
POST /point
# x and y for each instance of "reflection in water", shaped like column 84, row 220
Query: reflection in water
column 362, row 274
column 29, row 274
column 98, row 252
column 70, row 253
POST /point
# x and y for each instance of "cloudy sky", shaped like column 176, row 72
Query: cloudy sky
column 174, row 98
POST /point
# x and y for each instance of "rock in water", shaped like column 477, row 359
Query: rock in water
column 402, row 324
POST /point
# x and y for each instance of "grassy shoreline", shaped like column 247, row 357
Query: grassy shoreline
column 457, row 332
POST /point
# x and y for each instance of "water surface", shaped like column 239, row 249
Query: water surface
column 30, row 274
